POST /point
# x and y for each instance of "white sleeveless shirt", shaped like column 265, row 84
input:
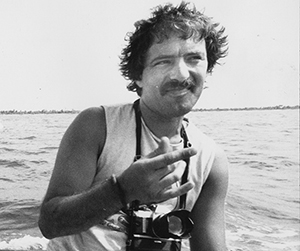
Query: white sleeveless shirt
column 118, row 154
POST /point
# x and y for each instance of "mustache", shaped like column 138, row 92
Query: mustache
column 187, row 83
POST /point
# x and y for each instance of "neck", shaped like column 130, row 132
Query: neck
column 160, row 125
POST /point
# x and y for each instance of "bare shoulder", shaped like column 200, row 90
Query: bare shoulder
column 215, row 187
column 218, row 176
column 90, row 119
column 220, row 163
column 88, row 127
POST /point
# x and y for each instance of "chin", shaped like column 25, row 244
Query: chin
column 182, row 109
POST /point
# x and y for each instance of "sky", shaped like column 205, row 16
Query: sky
column 65, row 54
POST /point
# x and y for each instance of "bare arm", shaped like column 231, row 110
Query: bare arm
column 72, row 204
column 208, row 214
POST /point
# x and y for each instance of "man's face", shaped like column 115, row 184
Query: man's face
column 168, row 65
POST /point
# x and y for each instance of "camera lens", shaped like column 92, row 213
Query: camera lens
column 175, row 225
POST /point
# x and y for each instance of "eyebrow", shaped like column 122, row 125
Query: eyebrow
column 201, row 53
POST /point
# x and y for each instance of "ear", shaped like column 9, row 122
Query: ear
column 139, row 83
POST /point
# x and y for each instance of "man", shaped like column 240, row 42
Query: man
column 113, row 159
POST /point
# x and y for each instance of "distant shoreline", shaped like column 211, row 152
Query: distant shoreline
column 278, row 107
column 11, row 112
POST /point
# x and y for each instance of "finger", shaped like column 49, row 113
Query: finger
column 164, row 146
column 172, row 176
column 164, row 171
column 169, row 158
column 176, row 191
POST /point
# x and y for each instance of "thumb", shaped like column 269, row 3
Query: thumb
column 164, row 146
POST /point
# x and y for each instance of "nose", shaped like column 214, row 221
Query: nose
column 180, row 70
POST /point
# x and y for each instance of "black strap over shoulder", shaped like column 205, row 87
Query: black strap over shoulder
column 184, row 178
column 186, row 144
column 136, row 106
column 138, row 152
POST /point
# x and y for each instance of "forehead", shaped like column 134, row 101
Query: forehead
column 175, row 46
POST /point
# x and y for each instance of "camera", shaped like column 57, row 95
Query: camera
column 151, row 231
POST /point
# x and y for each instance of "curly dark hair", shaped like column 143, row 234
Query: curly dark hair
column 166, row 21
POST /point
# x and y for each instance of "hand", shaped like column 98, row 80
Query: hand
column 150, row 178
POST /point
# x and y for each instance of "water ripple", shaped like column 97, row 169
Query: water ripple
column 14, row 163
column 28, row 138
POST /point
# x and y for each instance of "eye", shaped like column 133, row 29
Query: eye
column 162, row 62
column 195, row 58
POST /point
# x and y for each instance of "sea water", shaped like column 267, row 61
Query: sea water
column 262, row 207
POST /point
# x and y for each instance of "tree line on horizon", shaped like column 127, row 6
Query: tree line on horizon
column 278, row 107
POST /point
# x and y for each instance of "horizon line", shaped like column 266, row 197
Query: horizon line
column 54, row 111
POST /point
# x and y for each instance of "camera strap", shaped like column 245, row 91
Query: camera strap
column 186, row 144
